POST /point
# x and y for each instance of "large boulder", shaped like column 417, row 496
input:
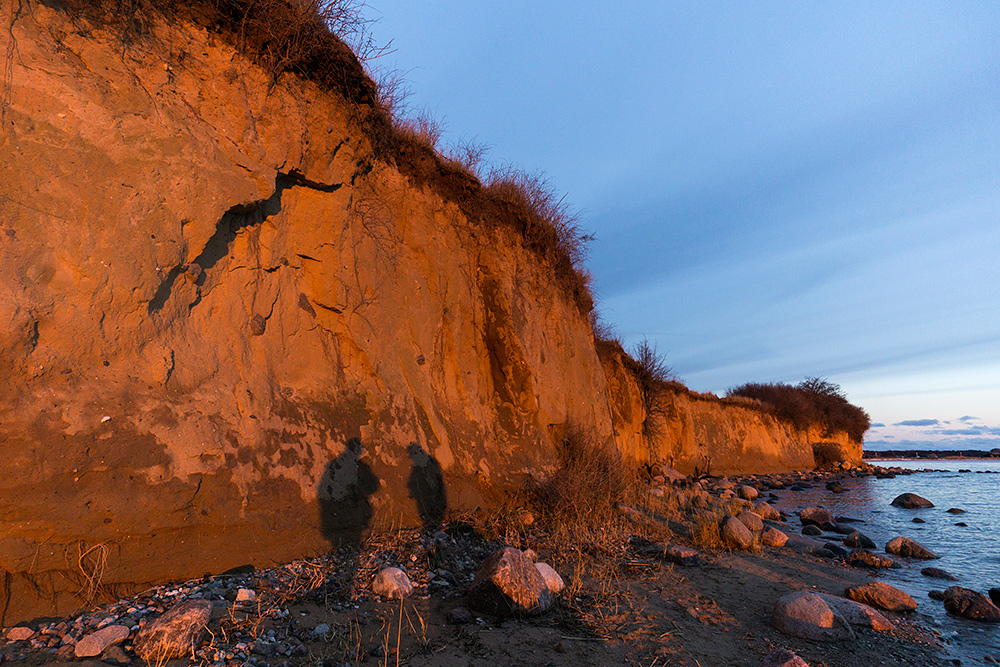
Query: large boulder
column 817, row 516
column 858, row 614
column 175, row 634
column 908, row 548
column 911, row 501
column 508, row 583
column 735, row 533
column 865, row 558
column 751, row 520
column 882, row 595
column 766, row 511
column 970, row 604
column 809, row 616
column 772, row 537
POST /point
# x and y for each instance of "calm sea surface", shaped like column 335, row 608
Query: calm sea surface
column 971, row 553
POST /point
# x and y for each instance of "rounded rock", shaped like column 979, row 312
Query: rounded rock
column 882, row 595
column 911, row 501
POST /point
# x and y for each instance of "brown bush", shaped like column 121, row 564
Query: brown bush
column 812, row 401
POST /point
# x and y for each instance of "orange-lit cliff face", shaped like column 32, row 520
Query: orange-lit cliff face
column 235, row 335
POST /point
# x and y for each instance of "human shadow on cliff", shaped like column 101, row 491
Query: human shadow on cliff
column 344, row 494
column 426, row 485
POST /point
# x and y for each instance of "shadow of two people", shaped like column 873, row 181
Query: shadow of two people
column 348, row 483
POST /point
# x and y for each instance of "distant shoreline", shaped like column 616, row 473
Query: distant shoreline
column 931, row 455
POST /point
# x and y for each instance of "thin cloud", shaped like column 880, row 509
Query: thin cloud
column 878, row 425
column 967, row 418
column 918, row 422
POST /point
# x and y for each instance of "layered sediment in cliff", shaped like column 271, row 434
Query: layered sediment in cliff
column 238, row 336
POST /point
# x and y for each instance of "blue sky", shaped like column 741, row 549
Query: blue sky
column 778, row 189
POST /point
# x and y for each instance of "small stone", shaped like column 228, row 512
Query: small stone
column 392, row 583
column 747, row 492
column 20, row 633
column 811, row 530
column 681, row 555
column 459, row 616
column 917, row 519
column 321, row 630
column 782, row 657
column 115, row 655
column 245, row 596
column 955, row 510
column 95, row 643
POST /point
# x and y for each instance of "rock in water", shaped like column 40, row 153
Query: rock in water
column 392, row 583
column 864, row 558
column 735, row 534
column 856, row 539
column 817, row 516
column 508, row 583
column 882, row 595
column 95, row 643
column 938, row 573
column 995, row 596
column 808, row 616
column 911, row 501
column 782, row 657
column 175, row 634
column 969, row 604
column 907, row 548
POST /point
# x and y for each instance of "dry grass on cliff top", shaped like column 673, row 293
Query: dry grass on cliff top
column 329, row 42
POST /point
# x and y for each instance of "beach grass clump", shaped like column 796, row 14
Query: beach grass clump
column 812, row 401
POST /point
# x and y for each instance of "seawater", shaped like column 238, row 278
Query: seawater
column 971, row 553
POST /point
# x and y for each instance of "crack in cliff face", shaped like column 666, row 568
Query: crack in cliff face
column 233, row 221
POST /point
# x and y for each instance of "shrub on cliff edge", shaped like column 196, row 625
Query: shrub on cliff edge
column 812, row 401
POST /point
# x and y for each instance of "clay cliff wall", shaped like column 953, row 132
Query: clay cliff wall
column 237, row 335
column 702, row 433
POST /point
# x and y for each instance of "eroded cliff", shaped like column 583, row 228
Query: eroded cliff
column 240, row 336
